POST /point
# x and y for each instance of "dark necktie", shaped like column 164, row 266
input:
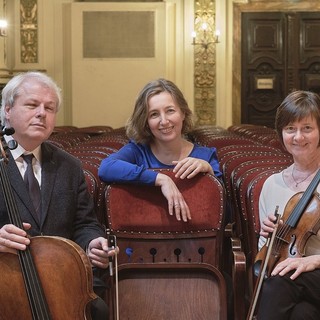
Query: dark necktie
column 32, row 183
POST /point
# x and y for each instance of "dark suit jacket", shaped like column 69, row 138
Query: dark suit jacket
column 67, row 207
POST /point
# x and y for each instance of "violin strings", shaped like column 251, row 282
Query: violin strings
column 295, row 215
column 280, row 238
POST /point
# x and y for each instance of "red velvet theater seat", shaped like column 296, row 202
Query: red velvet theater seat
column 138, row 216
column 169, row 269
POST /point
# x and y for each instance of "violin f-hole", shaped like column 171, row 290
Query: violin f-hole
column 292, row 246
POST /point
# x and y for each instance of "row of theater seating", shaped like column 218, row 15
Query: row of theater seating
column 90, row 145
column 219, row 243
column 248, row 155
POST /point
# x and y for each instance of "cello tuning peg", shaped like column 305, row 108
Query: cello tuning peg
column 6, row 131
column 12, row 144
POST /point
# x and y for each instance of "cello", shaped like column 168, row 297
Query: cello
column 36, row 284
column 296, row 237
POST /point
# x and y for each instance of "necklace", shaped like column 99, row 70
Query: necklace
column 298, row 182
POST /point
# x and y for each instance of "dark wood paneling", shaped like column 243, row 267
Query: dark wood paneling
column 310, row 51
column 280, row 53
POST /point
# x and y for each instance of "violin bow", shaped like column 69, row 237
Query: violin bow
column 112, row 244
column 269, row 245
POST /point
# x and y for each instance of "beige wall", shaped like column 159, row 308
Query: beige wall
column 50, row 43
column 102, row 91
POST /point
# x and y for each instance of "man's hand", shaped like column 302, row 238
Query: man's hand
column 99, row 252
column 13, row 238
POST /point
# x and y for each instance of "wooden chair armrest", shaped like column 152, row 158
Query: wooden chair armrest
column 238, row 279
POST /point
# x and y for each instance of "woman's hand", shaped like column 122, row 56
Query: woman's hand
column 176, row 202
column 268, row 225
column 13, row 238
column 190, row 167
column 300, row 265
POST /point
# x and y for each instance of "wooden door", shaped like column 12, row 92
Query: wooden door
column 280, row 53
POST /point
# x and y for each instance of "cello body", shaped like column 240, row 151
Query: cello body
column 50, row 280
column 65, row 274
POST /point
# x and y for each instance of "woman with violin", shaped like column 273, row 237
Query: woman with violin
column 292, row 291
column 30, row 102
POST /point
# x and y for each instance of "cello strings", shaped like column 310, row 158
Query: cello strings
column 34, row 292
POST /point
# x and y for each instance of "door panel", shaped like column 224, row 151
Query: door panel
column 280, row 53
column 310, row 51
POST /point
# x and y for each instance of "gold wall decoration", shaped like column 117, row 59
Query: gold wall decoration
column 29, row 31
column 204, row 62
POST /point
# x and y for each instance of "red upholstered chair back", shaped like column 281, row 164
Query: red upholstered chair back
column 146, row 233
column 253, row 223
column 161, row 257
column 253, row 195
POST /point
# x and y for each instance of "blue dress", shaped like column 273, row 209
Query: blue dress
column 134, row 162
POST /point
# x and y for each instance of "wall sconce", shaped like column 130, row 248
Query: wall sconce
column 205, row 38
column 3, row 27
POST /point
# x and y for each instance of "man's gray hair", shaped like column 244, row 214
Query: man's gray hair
column 12, row 90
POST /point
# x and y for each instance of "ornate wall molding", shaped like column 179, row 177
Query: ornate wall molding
column 205, row 64
column 3, row 44
column 29, row 31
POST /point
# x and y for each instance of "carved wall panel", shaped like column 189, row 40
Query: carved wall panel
column 205, row 63
column 310, row 51
column 29, row 31
column 256, row 6
column 102, row 31
column 262, row 66
column 281, row 53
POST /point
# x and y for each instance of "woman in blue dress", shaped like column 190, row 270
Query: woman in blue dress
column 157, row 129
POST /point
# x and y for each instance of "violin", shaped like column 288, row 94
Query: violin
column 301, row 222
column 50, row 280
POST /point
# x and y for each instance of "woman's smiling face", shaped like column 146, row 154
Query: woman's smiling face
column 301, row 138
column 165, row 117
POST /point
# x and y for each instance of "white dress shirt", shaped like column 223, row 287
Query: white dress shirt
column 22, row 165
